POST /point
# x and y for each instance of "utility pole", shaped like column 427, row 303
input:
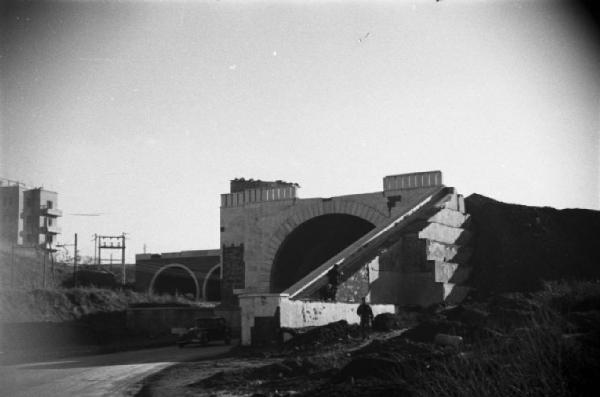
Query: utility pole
column 123, row 259
column 124, row 281
column 75, row 263
column 95, row 248
column 108, row 242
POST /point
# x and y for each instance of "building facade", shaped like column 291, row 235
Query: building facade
column 28, row 217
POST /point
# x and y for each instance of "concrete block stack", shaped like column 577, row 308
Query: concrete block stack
column 434, row 255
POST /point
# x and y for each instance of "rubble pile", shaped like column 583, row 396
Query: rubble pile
column 385, row 322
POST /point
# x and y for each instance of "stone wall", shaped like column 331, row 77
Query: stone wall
column 262, row 227
column 428, row 262
column 354, row 287
column 233, row 271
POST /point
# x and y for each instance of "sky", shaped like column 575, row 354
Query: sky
column 142, row 112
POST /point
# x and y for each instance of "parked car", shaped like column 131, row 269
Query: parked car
column 205, row 331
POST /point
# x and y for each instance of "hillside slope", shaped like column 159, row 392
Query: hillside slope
column 518, row 246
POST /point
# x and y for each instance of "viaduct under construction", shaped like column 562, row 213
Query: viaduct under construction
column 404, row 245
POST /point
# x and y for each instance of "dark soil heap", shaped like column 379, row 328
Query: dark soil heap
column 338, row 331
column 518, row 246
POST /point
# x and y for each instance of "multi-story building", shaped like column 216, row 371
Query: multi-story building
column 28, row 217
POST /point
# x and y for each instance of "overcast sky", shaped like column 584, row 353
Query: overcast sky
column 143, row 111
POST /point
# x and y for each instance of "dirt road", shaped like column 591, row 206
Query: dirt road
column 114, row 374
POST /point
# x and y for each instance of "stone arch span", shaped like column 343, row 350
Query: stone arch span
column 209, row 274
column 312, row 243
column 186, row 269
column 323, row 207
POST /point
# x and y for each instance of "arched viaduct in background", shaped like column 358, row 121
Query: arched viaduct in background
column 196, row 274
column 270, row 238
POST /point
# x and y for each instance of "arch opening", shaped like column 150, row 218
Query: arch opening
column 175, row 280
column 312, row 243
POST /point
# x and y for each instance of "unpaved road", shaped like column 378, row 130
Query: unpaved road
column 114, row 374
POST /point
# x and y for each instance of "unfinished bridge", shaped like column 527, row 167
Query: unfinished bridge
column 404, row 245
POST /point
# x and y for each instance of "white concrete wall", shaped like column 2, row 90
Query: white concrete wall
column 297, row 313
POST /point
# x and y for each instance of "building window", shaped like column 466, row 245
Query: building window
column 49, row 221
column 49, row 204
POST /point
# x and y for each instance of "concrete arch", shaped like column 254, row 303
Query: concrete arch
column 207, row 277
column 180, row 266
column 323, row 207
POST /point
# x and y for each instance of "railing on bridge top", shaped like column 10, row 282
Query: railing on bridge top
column 258, row 195
column 412, row 181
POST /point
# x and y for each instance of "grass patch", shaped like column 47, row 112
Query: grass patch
column 548, row 356
column 66, row 304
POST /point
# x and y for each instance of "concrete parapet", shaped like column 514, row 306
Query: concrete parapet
column 412, row 180
column 240, row 198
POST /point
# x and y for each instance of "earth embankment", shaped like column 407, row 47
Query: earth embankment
column 517, row 247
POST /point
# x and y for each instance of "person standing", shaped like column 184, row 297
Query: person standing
column 333, row 278
column 365, row 313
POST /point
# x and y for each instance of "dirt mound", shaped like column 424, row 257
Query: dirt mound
column 517, row 246
column 270, row 373
column 338, row 331
column 399, row 347
column 374, row 366
column 385, row 322
column 426, row 330
column 471, row 316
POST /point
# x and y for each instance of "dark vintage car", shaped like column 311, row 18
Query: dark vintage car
column 205, row 331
